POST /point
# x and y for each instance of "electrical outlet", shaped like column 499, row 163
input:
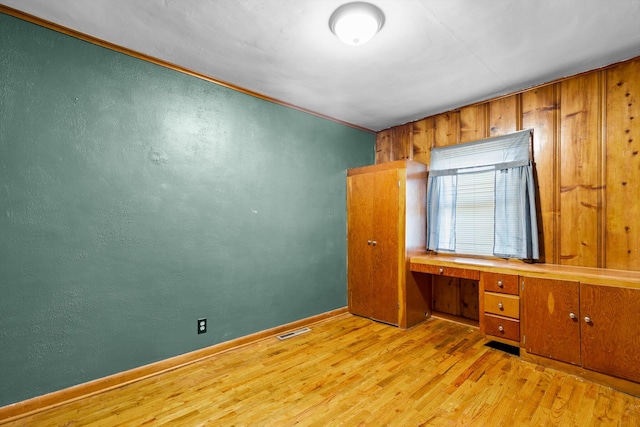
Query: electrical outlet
column 202, row 325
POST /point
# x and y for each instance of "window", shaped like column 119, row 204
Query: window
column 481, row 199
column 474, row 213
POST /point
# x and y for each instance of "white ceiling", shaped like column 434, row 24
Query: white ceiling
column 431, row 55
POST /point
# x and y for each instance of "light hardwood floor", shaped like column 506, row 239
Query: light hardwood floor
column 350, row 371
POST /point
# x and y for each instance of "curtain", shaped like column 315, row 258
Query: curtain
column 515, row 221
column 441, row 208
column 516, row 228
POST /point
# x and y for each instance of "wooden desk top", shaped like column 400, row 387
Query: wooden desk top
column 599, row 276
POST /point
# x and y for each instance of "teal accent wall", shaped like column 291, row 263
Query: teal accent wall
column 135, row 199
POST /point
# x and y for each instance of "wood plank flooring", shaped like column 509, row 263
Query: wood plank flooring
column 350, row 371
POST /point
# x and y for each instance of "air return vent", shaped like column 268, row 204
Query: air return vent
column 292, row 334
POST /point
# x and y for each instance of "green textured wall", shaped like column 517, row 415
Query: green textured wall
column 135, row 199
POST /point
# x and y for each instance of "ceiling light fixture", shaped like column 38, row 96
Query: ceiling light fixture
column 356, row 23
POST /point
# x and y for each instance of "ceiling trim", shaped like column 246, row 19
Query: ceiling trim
column 117, row 48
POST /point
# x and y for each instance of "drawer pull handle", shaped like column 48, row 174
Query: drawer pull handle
column 500, row 283
column 501, row 328
column 441, row 270
column 572, row 315
column 368, row 242
column 587, row 319
column 500, row 306
column 374, row 243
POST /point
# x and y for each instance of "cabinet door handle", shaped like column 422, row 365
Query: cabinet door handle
column 500, row 283
column 368, row 242
column 374, row 243
column 572, row 315
column 500, row 306
column 587, row 319
column 501, row 328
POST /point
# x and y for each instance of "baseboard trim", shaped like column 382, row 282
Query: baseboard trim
column 40, row 403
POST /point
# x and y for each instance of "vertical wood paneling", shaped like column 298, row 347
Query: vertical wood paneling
column 579, row 172
column 446, row 295
column 539, row 111
column 469, row 299
column 423, row 140
column 622, row 217
column 384, row 140
column 503, row 116
column 447, row 129
column 586, row 134
column 473, row 123
column 455, row 296
column 401, row 146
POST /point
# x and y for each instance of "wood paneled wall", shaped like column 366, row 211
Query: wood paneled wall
column 586, row 150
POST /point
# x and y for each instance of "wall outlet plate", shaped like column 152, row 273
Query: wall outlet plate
column 202, row 325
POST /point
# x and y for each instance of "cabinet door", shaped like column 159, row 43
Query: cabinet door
column 360, row 195
column 386, row 234
column 551, row 325
column 611, row 339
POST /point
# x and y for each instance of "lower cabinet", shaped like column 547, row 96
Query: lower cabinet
column 592, row 325
column 551, row 312
column 501, row 327
column 500, row 306
column 610, row 319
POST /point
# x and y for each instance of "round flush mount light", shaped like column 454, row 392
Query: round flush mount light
column 356, row 23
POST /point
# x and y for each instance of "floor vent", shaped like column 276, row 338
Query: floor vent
column 293, row 334
column 504, row 347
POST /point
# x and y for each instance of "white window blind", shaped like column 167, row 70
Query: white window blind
column 474, row 213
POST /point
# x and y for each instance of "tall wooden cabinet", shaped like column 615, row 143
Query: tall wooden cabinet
column 386, row 223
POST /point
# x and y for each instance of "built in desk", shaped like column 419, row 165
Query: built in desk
column 580, row 319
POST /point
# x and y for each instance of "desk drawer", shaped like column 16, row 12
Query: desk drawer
column 463, row 273
column 502, row 327
column 502, row 305
column 501, row 283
